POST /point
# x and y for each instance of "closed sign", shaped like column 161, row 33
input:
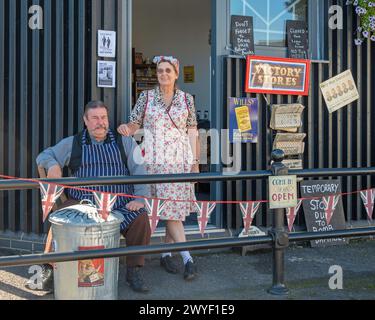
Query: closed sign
column 282, row 192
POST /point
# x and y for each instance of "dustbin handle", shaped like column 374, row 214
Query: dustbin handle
column 90, row 203
column 87, row 201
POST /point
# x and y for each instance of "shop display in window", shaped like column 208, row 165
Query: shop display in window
column 144, row 74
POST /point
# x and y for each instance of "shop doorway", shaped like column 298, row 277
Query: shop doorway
column 182, row 29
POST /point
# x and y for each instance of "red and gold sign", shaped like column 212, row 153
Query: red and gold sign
column 277, row 75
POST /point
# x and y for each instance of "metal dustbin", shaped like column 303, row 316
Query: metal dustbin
column 77, row 228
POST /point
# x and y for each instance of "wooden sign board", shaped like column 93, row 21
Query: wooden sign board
column 314, row 210
column 277, row 75
column 242, row 34
column 298, row 40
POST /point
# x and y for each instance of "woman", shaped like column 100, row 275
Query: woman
column 171, row 147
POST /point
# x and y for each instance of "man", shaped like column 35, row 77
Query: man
column 98, row 151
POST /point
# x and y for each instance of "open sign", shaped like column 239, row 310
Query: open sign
column 282, row 192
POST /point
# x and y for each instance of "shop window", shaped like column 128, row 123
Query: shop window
column 269, row 23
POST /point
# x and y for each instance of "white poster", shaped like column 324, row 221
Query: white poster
column 339, row 91
column 106, row 44
column 107, row 74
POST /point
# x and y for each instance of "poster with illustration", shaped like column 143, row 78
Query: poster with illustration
column 339, row 91
column 243, row 120
column 106, row 44
column 106, row 74
column 91, row 271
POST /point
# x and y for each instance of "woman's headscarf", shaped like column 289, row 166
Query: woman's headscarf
column 172, row 60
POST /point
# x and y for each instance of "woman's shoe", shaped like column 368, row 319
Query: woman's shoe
column 168, row 264
column 190, row 271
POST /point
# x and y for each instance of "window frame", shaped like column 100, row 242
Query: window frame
column 317, row 19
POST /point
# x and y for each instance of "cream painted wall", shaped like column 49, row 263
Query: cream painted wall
column 179, row 28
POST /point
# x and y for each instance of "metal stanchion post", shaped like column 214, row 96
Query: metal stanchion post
column 280, row 237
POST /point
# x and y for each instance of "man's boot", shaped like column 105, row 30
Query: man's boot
column 134, row 278
column 44, row 282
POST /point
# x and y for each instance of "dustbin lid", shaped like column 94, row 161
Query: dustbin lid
column 83, row 214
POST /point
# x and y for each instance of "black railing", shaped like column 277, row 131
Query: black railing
column 278, row 237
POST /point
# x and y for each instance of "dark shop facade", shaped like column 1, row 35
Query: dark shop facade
column 51, row 66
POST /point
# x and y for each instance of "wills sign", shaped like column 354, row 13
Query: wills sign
column 277, row 75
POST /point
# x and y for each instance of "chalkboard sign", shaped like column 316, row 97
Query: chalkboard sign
column 314, row 210
column 242, row 35
column 297, row 36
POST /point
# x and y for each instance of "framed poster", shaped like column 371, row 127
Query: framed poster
column 277, row 75
column 106, row 74
column 106, row 44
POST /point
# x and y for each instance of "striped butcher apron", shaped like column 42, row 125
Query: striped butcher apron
column 103, row 160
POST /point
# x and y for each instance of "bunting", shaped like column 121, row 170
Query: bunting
column 291, row 214
column 204, row 212
column 249, row 209
column 105, row 202
column 330, row 206
column 49, row 194
column 154, row 207
column 368, row 197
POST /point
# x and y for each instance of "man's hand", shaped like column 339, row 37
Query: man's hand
column 54, row 172
column 134, row 205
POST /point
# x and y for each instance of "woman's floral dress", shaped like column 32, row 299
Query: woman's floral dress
column 167, row 148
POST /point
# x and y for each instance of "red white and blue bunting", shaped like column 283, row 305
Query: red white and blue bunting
column 368, row 197
column 105, row 203
column 49, row 193
column 154, row 207
column 330, row 203
column 291, row 214
column 249, row 209
column 204, row 212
